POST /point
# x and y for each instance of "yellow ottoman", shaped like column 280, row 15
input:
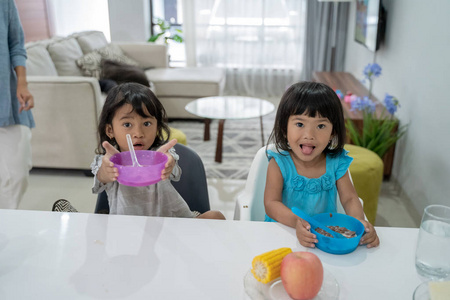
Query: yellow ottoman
column 179, row 135
column 367, row 174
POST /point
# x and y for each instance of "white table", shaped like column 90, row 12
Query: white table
column 51, row 255
column 228, row 108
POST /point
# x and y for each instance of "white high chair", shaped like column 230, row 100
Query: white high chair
column 250, row 203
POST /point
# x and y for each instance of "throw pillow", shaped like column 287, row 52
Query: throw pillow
column 64, row 54
column 113, row 52
column 90, row 64
column 90, row 40
column 120, row 72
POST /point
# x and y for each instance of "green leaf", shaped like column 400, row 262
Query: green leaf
column 376, row 134
column 353, row 132
column 177, row 38
column 154, row 37
column 164, row 28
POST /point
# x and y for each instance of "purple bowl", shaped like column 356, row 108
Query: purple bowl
column 152, row 163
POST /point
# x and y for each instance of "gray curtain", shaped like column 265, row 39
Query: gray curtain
column 319, row 37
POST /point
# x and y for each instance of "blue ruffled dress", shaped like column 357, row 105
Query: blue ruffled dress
column 312, row 195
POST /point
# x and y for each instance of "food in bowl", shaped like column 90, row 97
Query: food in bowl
column 334, row 245
column 342, row 230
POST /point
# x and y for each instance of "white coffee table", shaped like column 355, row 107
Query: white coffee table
column 228, row 108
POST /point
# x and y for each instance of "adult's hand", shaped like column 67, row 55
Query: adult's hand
column 24, row 96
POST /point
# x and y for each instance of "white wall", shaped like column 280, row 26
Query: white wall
column 416, row 65
column 129, row 20
column 67, row 17
column 119, row 20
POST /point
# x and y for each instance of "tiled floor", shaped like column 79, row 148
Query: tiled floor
column 47, row 186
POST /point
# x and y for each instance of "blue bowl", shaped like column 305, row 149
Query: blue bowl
column 336, row 245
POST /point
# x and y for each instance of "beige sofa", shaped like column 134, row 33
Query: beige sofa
column 68, row 103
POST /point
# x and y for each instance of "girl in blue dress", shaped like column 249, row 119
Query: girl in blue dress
column 309, row 165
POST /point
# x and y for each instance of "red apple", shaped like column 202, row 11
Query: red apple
column 302, row 275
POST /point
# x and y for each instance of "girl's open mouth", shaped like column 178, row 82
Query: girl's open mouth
column 307, row 149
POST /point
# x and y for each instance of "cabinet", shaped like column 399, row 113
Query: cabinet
column 346, row 82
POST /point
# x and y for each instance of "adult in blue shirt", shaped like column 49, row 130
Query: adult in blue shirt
column 16, row 101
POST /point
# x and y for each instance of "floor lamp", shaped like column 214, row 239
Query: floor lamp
column 334, row 28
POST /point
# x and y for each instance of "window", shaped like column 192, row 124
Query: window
column 170, row 11
column 268, row 34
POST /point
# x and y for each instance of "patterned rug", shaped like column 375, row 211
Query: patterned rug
column 241, row 141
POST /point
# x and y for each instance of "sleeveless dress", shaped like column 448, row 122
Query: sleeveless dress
column 312, row 195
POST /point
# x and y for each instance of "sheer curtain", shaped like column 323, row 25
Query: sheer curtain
column 258, row 42
column 319, row 30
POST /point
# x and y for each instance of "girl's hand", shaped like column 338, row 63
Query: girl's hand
column 370, row 237
column 107, row 172
column 305, row 237
column 165, row 173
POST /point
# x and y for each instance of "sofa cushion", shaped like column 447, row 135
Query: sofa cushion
column 39, row 62
column 64, row 54
column 90, row 40
column 187, row 82
column 91, row 63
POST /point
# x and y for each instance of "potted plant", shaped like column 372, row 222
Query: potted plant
column 380, row 133
column 166, row 33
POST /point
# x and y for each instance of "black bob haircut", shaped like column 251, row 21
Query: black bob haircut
column 314, row 99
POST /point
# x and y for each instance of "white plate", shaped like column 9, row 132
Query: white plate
column 274, row 290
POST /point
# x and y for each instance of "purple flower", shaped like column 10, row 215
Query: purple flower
column 391, row 103
column 372, row 71
column 364, row 104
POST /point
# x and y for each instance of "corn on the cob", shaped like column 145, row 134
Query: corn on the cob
column 266, row 266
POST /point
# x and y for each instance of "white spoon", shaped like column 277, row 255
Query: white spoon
column 133, row 154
